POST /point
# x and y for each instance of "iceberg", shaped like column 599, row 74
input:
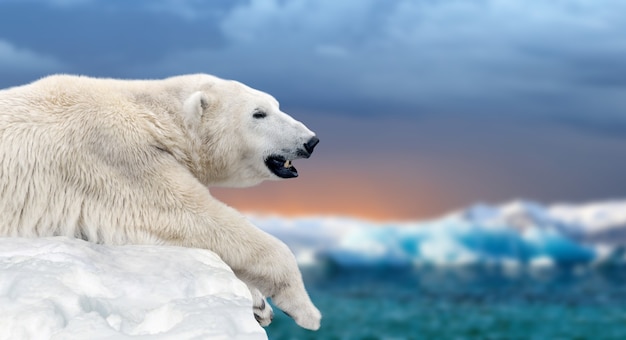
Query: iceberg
column 456, row 243
column 518, row 234
column 61, row 288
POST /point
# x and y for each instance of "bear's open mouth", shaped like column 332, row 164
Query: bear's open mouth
column 281, row 167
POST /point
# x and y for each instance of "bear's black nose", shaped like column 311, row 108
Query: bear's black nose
column 310, row 145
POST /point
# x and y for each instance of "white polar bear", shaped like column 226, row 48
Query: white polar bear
column 130, row 162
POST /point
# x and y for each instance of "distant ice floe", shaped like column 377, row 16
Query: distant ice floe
column 514, row 235
column 60, row 288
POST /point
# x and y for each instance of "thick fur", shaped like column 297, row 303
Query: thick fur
column 130, row 162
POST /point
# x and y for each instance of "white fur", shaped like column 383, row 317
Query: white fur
column 121, row 162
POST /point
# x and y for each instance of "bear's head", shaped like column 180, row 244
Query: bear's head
column 243, row 138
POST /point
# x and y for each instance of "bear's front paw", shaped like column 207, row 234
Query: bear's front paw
column 262, row 310
column 297, row 305
column 309, row 319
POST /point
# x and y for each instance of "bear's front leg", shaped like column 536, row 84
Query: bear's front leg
column 258, row 259
column 191, row 217
column 283, row 285
column 263, row 262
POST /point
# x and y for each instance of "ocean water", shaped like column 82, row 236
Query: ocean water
column 463, row 303
column 517, row 271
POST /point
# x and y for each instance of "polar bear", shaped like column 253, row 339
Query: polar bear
column 130, row 162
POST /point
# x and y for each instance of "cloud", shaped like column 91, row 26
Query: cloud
column 56, row 3
column 104, row 38
column 498, row 57
column 14, row 58
column 20, row 65
column 192, row 10
column 366, row 57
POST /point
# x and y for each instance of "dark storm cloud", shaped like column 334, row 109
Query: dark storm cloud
column 531, row 58
column 557, row 60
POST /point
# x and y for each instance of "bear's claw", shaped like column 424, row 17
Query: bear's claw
column 263, row 312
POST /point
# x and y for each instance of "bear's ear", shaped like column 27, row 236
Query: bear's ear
column 194, row 107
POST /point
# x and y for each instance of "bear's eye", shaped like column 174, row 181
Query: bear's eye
column 259, row 114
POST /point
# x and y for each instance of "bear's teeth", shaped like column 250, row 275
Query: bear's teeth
column 287, row 164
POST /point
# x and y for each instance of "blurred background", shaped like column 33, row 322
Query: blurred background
column 469, row 182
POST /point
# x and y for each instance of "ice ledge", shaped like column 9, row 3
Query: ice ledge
column 61, row 288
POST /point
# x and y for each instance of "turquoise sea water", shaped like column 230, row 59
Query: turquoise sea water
column 468, row 303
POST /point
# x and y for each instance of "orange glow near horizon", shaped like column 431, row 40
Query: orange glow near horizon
column 340, row 193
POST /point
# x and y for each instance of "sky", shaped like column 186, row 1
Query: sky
column 422, row 107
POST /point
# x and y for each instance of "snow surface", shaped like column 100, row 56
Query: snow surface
column 517, row 234
column 60, row 288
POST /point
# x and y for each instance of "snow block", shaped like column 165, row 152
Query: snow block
column 61, row 288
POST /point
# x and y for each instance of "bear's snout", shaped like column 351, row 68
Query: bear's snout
column 310, row 145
